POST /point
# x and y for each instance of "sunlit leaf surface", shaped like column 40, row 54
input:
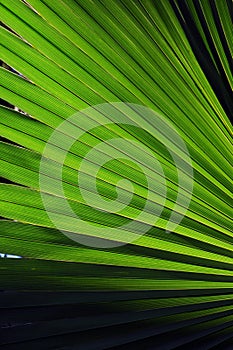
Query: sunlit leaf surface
column 165, row 290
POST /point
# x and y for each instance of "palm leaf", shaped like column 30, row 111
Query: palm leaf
column 174, row 57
